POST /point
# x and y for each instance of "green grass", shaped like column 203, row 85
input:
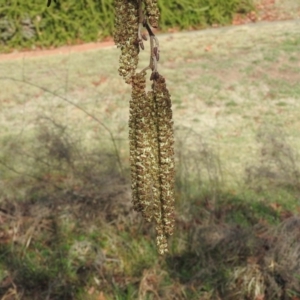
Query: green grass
column 69, row 231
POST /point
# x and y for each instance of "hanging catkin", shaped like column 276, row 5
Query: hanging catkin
column 141, row 156
column 165, row 136
column 125, row 36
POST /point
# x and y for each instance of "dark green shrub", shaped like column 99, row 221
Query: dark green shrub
column 30, row 24
column 200, row 13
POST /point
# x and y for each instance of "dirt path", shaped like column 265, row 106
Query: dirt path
column 295, row 24
column 60, row 50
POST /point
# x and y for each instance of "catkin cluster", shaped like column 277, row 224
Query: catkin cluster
column 150, row 123
column 152, row 155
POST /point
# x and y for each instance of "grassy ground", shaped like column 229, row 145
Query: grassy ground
column 67, row 227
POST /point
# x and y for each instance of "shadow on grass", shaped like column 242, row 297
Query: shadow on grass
column 237, row 258
column 241, row 244
column 69, row 232
column 58, row 215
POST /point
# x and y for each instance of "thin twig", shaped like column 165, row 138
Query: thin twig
column 154, row 52
column 80, row 108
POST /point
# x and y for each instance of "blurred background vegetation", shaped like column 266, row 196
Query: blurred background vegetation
column 67, row 228
column 30, row 24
